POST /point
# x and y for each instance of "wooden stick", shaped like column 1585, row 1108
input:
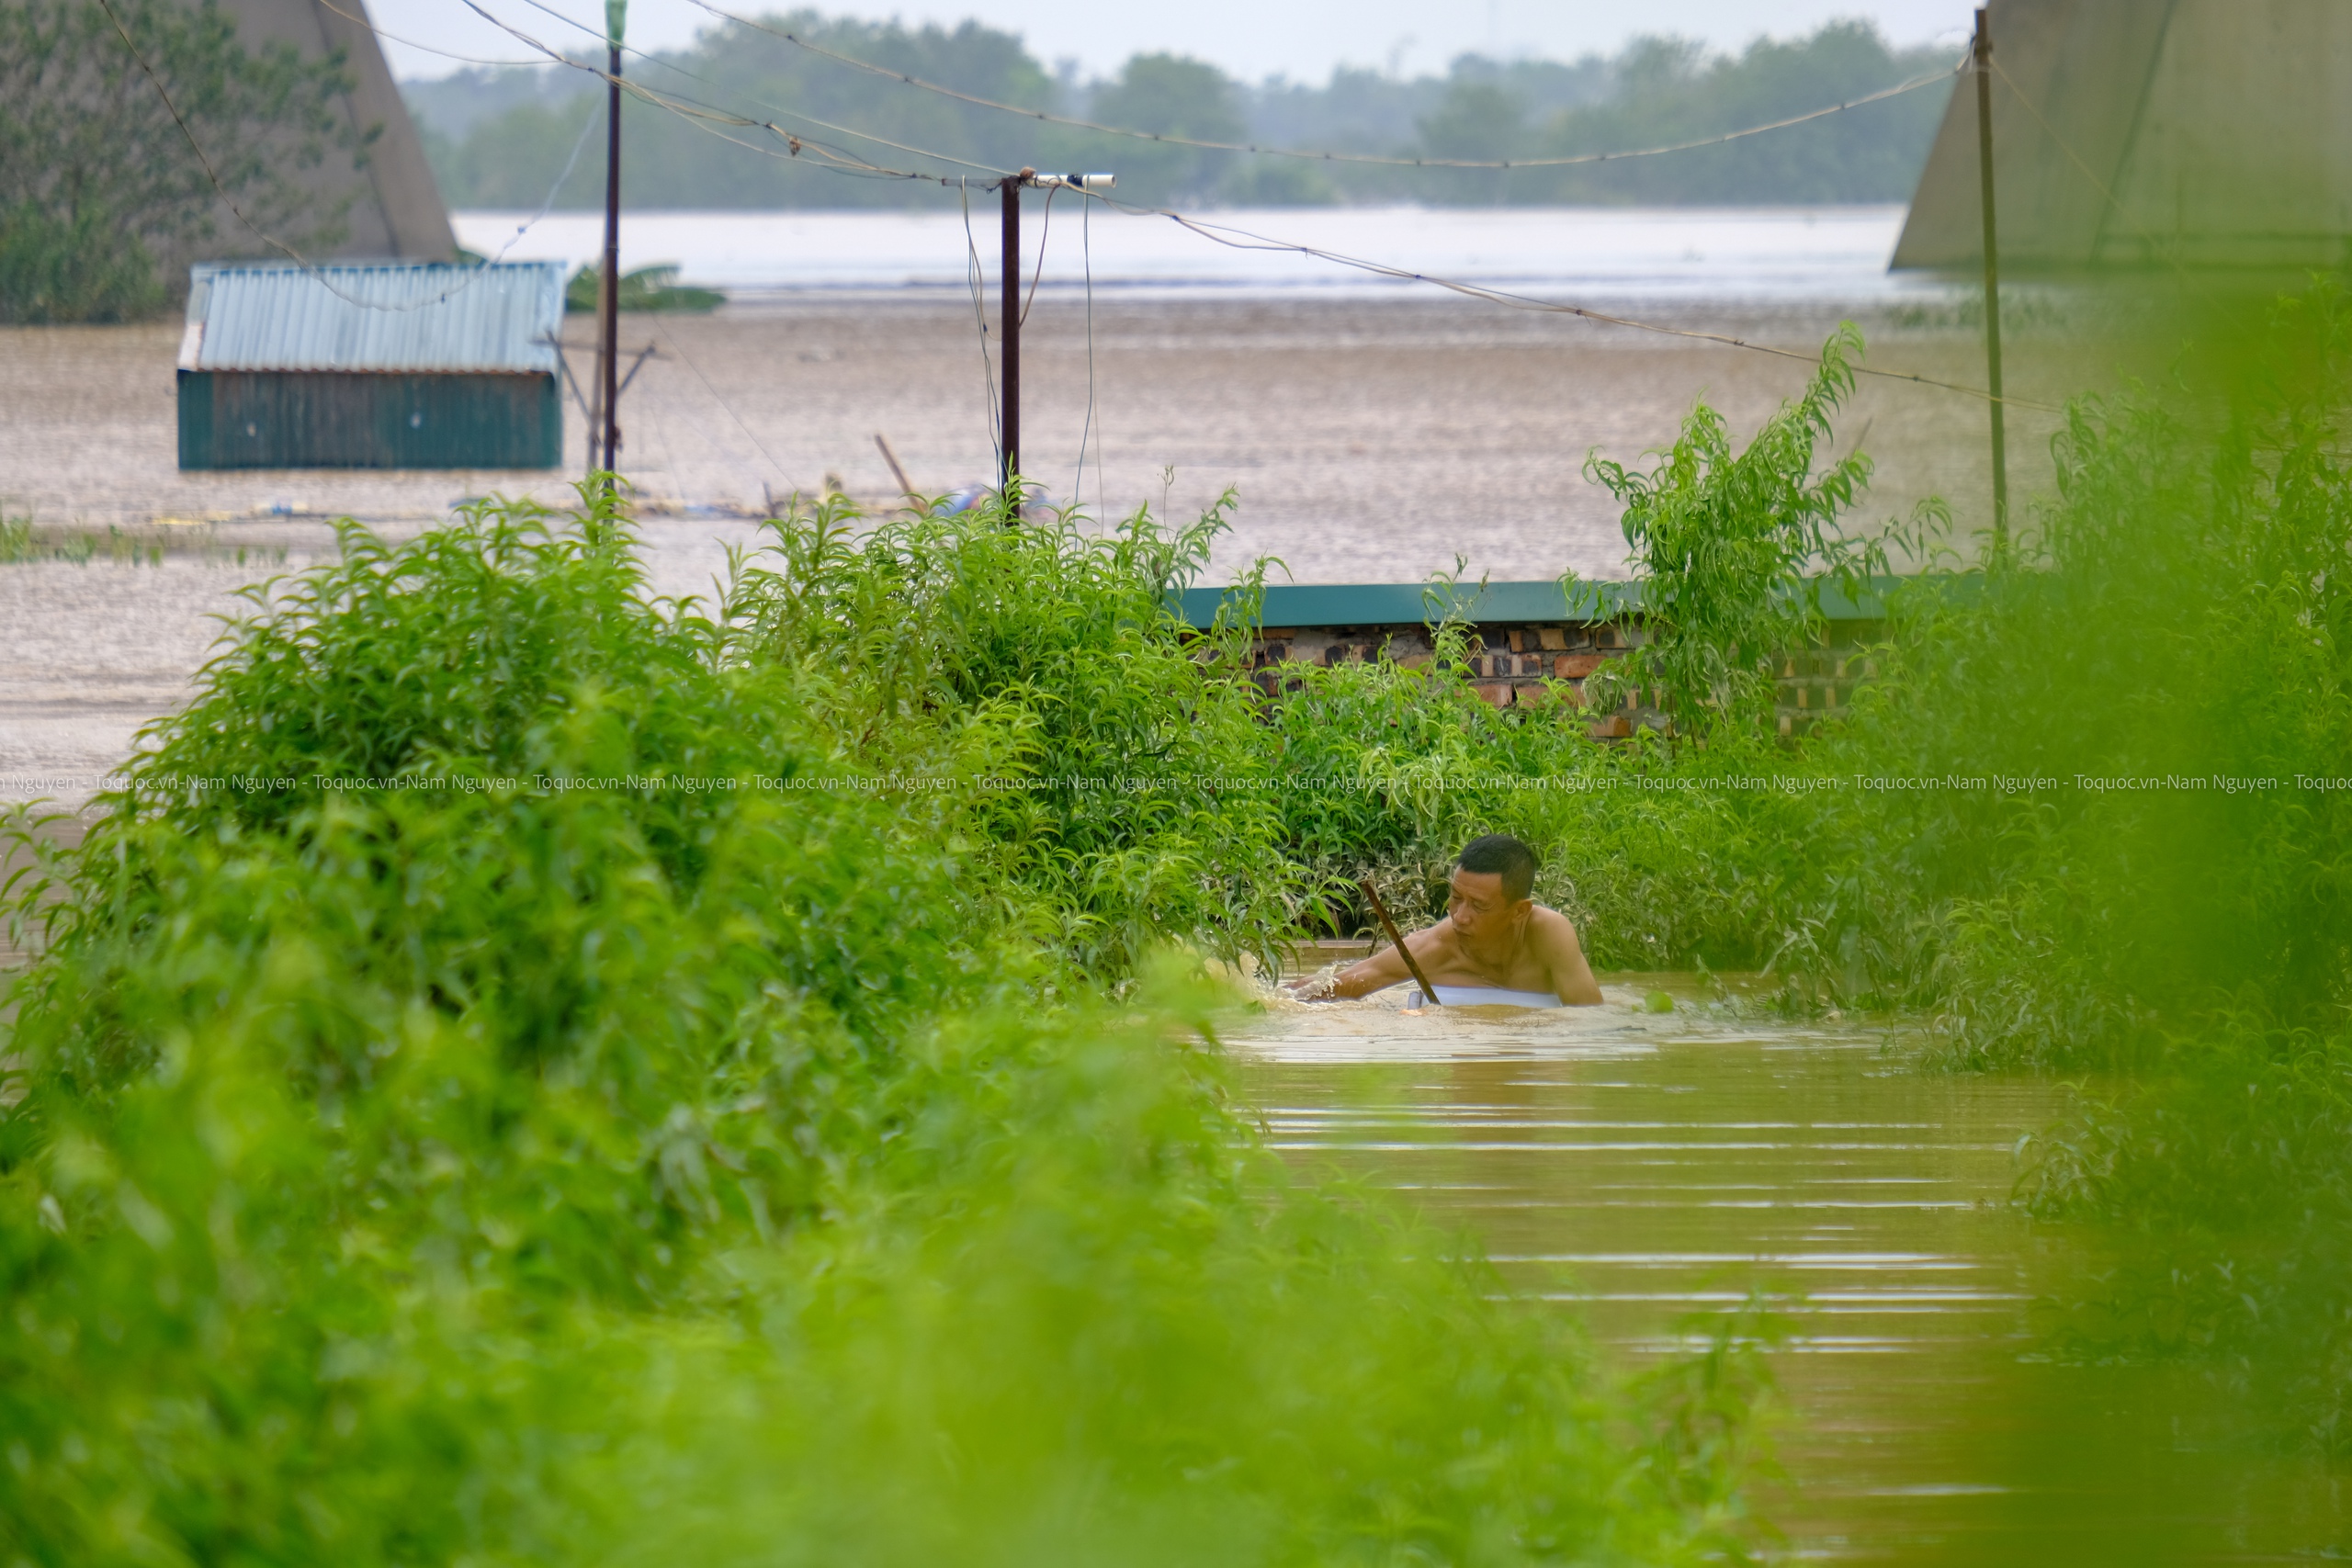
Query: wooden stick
column 1427, row 991
column 905, row 488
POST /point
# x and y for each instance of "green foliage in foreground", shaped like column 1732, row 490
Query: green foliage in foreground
column 2113, row 845
column 624, row 1166
column 2120, row 843
column 2190, row 624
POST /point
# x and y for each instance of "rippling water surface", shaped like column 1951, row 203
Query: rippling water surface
column 1686, row 254
column 1656, row 1168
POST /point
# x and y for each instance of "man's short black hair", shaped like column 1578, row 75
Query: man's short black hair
column 1499, row 853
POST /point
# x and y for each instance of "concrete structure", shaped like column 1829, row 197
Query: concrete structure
column 390, row 366
column 2150, row 134
column 396, row 211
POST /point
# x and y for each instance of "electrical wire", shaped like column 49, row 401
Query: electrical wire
column 1242, row 239
column 1223, row 234
column 595, row 117
column 2051, row 130
column 1045, row 232
column 196, row 147
column 411, row 43
column 720, row 398
column 1173, row 140
column 691, row 109
column 980, row 317
column 1078, row 486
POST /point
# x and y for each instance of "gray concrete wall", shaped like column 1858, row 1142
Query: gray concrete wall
column 2131, row 135
column 397, row 211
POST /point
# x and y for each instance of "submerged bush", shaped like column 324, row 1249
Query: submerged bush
column 1110, row 764
column 580, row 1117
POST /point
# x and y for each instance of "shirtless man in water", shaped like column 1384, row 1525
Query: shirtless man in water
column 1494, row 937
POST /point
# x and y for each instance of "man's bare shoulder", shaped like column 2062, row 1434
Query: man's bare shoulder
column 1550, row 922
column 1553, row 936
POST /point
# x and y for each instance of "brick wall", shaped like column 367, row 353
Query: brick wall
column 1512, row 664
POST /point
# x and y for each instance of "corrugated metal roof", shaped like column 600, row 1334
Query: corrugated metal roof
column 248, row 316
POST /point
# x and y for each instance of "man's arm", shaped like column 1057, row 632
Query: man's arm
column 1384, row 968
column 1572, row 978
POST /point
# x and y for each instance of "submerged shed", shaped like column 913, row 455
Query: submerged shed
column 2150, row 134
column 372, row 366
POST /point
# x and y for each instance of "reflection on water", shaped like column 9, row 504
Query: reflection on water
column 1680, row 254
column 1651, row 1167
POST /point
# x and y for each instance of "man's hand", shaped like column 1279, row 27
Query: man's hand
column 1315, row 987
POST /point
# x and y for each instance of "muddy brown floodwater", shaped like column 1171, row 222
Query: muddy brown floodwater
column 1656, row 1168
column 1368, row 441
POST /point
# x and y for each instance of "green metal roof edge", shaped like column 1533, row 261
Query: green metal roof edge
column 1414, row 604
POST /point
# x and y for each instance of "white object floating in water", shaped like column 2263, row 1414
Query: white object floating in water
column 1481, row 996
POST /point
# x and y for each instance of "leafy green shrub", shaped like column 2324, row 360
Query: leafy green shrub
column 1734, row 551
column 580, row 1118
column 647, row 288
column 2168, row 652
column 2172, row 631
column 1715, row 843
column 1658, row 855
column 1117, row 767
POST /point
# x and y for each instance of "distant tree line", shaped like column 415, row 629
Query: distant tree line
column 501, row 138
column 103, row 202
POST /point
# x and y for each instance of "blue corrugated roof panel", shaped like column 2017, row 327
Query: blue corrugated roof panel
column 394, row 316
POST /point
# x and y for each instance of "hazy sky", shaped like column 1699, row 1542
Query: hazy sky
column 1251, row 39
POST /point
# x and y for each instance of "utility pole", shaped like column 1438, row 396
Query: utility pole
column 608, row 281
column 1008, row 308
column 1983, row 52
column 1009, row 402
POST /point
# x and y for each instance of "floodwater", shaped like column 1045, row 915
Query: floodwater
column 1706, row 256
column 1656, row 1168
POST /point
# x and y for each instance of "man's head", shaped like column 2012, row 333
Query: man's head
column 1491, row 884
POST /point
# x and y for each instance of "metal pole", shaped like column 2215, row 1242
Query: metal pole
column 1992, row 280
column 608, row 285
column 1011, row 309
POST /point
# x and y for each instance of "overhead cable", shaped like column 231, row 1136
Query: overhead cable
column 840, row 161
column 411, row 43
column 1242, row 239
column 689, row 108
column 1173, row 140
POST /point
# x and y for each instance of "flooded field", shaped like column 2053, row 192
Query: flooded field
column 1656, row 1168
